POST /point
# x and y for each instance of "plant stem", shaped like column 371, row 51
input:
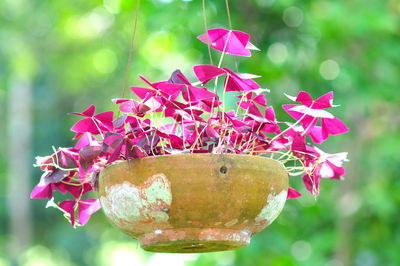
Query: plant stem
column 222, row 136
column 309, row 126
column 292, row 126
column 223, row 51
column 191, row 112
column 98, row 128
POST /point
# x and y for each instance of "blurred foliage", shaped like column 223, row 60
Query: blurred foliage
column 74, row 53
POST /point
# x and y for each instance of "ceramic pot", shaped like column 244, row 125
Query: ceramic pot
column 193, row 202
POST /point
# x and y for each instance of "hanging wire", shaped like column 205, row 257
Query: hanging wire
column 229, row 14
column 230, row 27
column 131, row 50
column 205, row 26
column 130, row 53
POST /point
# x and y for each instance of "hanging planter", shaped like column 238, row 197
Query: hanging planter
column 194, row 202
column 178, row 171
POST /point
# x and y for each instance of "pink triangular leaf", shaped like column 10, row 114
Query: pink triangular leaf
column 292, row 193
column 69, row 207
column 86, row 207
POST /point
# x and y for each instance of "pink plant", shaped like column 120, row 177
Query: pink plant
column 177, row 116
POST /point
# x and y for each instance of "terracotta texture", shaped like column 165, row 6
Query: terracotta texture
column 194, row 202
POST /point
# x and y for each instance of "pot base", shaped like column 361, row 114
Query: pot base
column 194, row 240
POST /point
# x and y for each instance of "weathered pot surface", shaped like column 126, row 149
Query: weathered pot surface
column 193, row 202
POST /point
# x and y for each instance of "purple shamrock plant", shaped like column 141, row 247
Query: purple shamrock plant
column 177, row 116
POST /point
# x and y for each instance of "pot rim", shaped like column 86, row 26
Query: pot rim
column 197, row 155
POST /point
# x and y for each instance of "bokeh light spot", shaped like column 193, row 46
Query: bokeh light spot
column 277, row 53
column 225, row 258
column 119, row 253
column 160, row 259
column 112, row 6
column 104, row 61
column 122, row 257
column 293, row 16
column 163, row 1
column 301, row 250
column 329, row 69
column 349, row 204
column 265, row 3
column 100, row 20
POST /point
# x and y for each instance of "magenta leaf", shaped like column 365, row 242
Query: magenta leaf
column 312, row 181
column 234, row 83
column 211, row 132
column 296, row 115
column 88, row 112
column 235, row 42
column 209, row 105
column 112, row 141
column 142, row 92
column 177, row 77
column 329, row 127
column 43, row 191
column 134, row 107
column 93, row 123
column 170, row 90
column 176, row 142
column 87, row 155
column 334, row 126
column 260, row 138
column 56, row 176
column 331, row 165
column 113, row 144
column 316, row 135
column 205, row 73
column 325, row 101
column 311, row 112
column 106, row 118
column 270, row 114
column 259, row 119
column 148, row 142
column 94, row 179
column 63, row 158
column 86, row 140
column 120, row 121
column 298, row 143
column 86, row 207
column 69, row 207
column 134, row 152
column 304, row 98
column 292, row 193
column 197, row 94
column 331, row 171
column 251, row 46
column 75, row 190
column 260, row 99
column 247, row 76
column 86, row 125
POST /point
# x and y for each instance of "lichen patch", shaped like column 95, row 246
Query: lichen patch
column 231, row 223
column 272, row 209
column 139, row 207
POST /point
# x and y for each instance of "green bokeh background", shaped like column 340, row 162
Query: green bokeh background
column 74, row 53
